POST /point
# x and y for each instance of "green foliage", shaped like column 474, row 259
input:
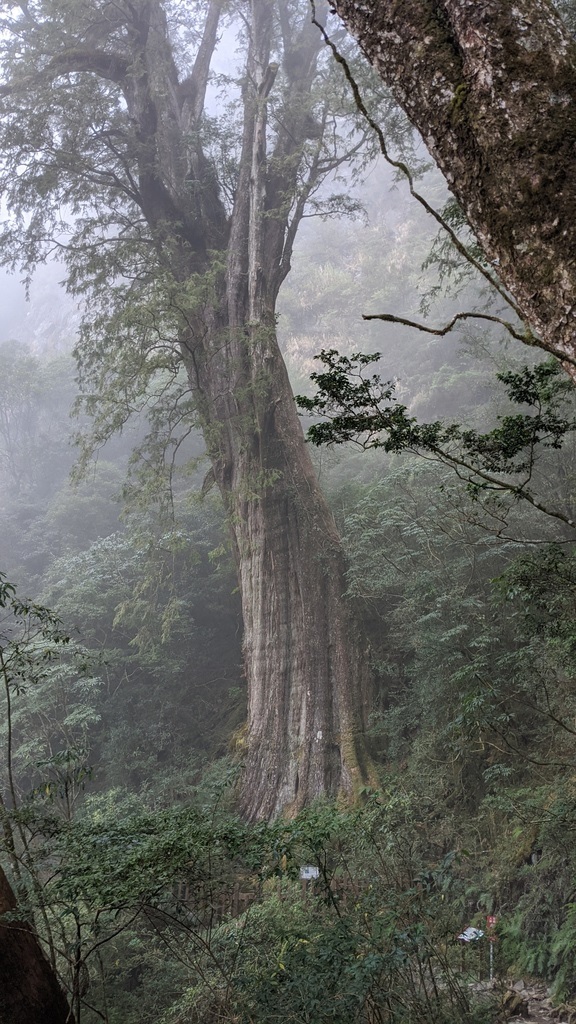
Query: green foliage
column 474, row 642
column 372, row 940
column 364, row 409
column 35, row 397
column 149, row 249
column 162, row 608
column 453, row 271
column 537, row 935
column 131, row 885
column 48, row 697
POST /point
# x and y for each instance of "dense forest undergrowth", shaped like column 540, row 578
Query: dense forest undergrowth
column 124, row 731
column 122, row 670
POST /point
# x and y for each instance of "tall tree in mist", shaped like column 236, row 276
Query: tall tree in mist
column 183, row 231
column 491, row 86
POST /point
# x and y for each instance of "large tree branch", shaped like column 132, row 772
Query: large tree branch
column 399, row 165
column 317, row 171
column 295, row 126
column 257, row 65
column 524, row 336
column 492, row 88
column 109, row 66
column 192, row 91
column 256, row 275
column 173, row 209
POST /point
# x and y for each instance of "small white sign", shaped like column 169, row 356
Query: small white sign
column 471, row 935
column 308, row 872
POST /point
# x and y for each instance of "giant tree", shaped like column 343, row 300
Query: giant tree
column 491, row 86
column 182, row 234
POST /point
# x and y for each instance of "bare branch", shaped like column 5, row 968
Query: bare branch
column 441, row 331
column 525, row 336
column 193, row 88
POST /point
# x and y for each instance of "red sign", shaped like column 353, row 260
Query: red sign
column 491, row 922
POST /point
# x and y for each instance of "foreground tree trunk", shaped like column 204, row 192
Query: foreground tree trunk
column 207, row 256
column 306, row 667
column 29, row 989
column 491, row 86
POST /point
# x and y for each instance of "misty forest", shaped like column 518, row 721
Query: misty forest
column 287, row 511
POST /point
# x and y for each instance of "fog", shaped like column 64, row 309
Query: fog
column 253, row 688
column 43, row 316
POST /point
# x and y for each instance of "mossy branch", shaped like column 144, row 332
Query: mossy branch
column 364, row 410
column 524, row 336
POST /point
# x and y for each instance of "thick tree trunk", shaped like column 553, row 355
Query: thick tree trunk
column 306, row 665
column 491, row 86
column 29, row 989
column 305, row 662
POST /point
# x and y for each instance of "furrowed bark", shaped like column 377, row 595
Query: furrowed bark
column 306, row 666
column 491, row 86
